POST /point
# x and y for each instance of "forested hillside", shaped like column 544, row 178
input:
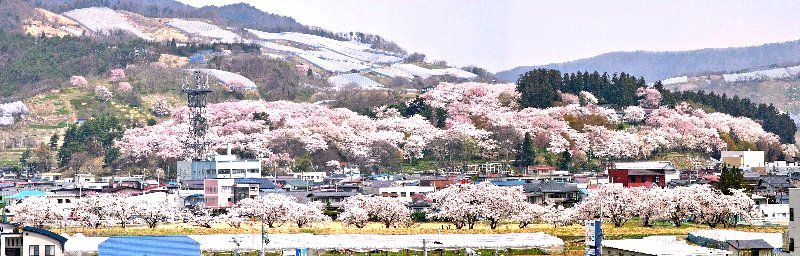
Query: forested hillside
column 661, row 65
column 539, row 88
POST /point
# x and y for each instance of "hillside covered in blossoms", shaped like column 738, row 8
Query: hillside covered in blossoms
column 483, row 121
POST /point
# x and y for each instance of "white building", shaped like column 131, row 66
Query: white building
column 746, row 160
column 792, row 236
column 656, row 246
column 404, row 192
column 219, row 166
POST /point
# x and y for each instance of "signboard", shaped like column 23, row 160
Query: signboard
column 301, row 252
column 594, row 237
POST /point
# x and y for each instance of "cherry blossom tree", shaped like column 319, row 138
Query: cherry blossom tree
column 617, row 204
column 122, row 209
column 304, row 214
column 233, row 218
column 154, row 208
column 391, row 212
column 38, row 211
column 587, row 98
column 634, row 114
column 117, row 75
column 529, row 213
column 92, row 211
column 202, row 217
column 650, row 97
column 78, row 81
column 650, row 204
column 355, row 216
column 790, row 151
column 124, row 87
column 103, row 93
column 272, row 208
column 465, row 205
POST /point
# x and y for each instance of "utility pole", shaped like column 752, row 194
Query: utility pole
column 264, row 237
column 424, row 249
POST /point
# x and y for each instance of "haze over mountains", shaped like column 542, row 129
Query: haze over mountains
column 661, row 65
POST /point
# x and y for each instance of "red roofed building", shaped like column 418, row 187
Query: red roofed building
column 641, row 174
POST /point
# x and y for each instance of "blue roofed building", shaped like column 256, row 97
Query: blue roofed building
column 149, row 246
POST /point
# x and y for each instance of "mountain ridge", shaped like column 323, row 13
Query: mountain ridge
column 658, row 65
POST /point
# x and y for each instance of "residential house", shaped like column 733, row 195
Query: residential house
column 224, row 193
column 565, row 194
column 404, row 192
column 774, row 187
column 297, row 185
column 656, row 246
column 332, row 200
column 643, row 174
column 310, row 176
column 547, row 172
column 30, row 241
column 756, row 247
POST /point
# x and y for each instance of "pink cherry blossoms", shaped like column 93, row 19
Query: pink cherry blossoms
column 78, row 81
column 124, row 87
column 651, row 98
column 103, row 93
column 474, row 112
column 117, row 75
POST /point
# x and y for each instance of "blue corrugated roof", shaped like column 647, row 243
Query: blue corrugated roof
column 149, row 246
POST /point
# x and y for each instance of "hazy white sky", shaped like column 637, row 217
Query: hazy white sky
column 500, row 34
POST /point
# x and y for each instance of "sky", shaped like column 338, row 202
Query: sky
column 502, row 34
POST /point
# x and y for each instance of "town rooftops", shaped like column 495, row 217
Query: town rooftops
column 660, row 165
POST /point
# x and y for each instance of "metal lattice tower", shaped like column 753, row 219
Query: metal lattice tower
column 197, row 97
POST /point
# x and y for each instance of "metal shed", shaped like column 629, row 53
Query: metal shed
column 149, row 246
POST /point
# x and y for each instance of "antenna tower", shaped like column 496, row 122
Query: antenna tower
column 197, row 97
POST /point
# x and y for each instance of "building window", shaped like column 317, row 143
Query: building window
column 49, row 250
column 791, row 244
column 791, row 214
column 34, row 250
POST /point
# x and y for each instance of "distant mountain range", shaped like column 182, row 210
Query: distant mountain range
column 661, row 65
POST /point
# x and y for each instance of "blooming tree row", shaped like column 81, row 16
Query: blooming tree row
column 699, row 203
column 391, row 212
column 276, row 209
column 96, row 211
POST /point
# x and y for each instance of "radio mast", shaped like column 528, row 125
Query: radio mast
column 197, row 98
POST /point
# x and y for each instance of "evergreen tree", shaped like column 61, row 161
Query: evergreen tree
column 526, row 154
column 731, row 178
column 539, row 88
column 54, row 141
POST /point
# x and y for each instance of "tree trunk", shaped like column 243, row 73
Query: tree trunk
column 646, row 222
